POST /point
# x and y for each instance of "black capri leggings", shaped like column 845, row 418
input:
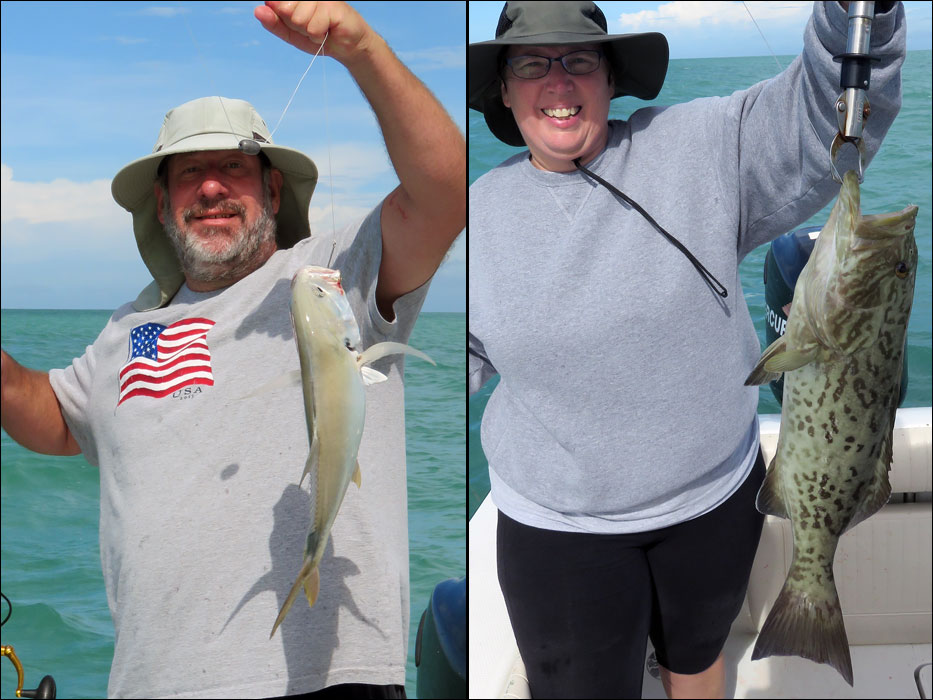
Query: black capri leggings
column 582, row 606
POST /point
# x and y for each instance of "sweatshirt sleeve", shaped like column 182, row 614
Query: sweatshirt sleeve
column 785, row 125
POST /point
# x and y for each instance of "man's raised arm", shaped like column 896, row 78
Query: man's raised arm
column 423, row 215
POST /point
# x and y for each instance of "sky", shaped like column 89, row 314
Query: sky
column 713, row 29
column 85, row 87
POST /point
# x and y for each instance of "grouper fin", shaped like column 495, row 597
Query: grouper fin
column 877, row 493
column 281, row 382
column 311, row 462
column 770, row 500
column 759, row 375
column 810, row 626
column 356, row 475
column 788, row 360
column 374, row 352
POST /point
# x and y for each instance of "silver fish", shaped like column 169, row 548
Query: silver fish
column 332, row 377
column 841, row 354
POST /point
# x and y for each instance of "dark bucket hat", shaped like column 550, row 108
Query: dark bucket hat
column 638, row 61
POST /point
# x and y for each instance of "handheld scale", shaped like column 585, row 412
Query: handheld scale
column 852, row 107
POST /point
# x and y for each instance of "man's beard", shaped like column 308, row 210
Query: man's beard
column 204, row 263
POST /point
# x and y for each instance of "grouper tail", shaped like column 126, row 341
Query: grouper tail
column 801, row 624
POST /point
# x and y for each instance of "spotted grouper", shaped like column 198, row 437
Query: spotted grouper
column 841, row 355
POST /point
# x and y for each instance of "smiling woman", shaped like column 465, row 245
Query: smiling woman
column 596, row 373
column 562, row 112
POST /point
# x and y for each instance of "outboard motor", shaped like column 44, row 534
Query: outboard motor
column 440, row 647
column 783, row 263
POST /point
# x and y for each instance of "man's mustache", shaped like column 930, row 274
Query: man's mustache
column 221, row 208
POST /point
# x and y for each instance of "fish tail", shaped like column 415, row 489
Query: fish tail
column 313, row 586
column 305, row 578
column 801, row 624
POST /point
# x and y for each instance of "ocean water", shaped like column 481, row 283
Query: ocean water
column 61, row 625
column 899, row 175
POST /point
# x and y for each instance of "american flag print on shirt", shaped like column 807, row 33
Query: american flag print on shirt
column 164, row 359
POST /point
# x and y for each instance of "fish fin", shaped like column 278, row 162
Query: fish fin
column 877, row 494
column 806, row 625
column 770, row 500
column 372, row 376
column 759, row 375
column 313, row 586
column 356, row 475
column 311, row 462
column 789, row 360
column 374, row 352
column 308, row 569
column 282, row 381
column 887, row 445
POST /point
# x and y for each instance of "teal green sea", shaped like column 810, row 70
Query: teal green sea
column 61, row 624
column 899, row 175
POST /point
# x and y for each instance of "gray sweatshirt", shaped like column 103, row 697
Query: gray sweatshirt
column 621, row 405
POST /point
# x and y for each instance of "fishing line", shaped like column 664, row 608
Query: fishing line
column 330, row 170
column 745, row 5
column 321, row 48
column 251, row 147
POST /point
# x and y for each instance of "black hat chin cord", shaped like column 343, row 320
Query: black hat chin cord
column 707, row 276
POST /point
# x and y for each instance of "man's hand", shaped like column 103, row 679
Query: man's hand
column 304, row 25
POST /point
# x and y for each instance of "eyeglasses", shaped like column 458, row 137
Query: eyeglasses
column 575, row 63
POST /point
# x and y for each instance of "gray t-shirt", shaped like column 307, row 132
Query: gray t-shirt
column 202, row 523
column 621, row 405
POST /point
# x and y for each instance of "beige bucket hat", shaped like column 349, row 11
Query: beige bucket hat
column 207, row 124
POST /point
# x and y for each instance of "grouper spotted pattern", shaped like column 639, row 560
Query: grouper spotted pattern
column 841, row 355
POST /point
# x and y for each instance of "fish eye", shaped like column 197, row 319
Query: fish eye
column 346, row 342
column 901, row 269
column 319, row 291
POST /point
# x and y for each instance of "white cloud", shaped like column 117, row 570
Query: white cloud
column 56, row 201
column 694, row 14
